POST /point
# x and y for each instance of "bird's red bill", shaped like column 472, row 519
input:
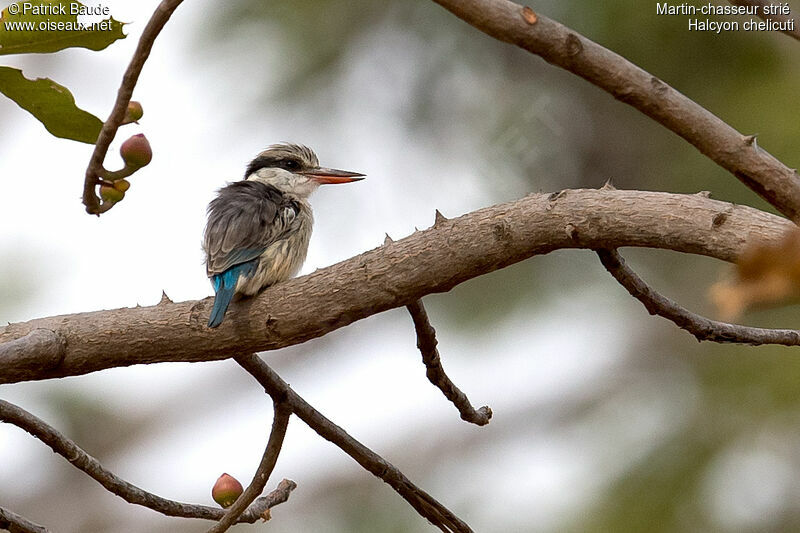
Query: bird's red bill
column 332, row 175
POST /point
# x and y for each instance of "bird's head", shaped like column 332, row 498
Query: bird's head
column 294, row 169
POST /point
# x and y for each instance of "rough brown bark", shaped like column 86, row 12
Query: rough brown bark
column 394, row 275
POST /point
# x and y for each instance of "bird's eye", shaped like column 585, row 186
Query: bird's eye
column 291, row 164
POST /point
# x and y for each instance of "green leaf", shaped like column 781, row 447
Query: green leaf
column 45, row 26
column 52, row 104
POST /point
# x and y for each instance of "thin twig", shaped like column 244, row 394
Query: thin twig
column 14, row 523
column 793, row 32
column 157, row 21
column 426, row 342
column 424, row 504
column 512, row 23
column 280, row 422
column 63, row 446
column 702, row 328
column 262, row 505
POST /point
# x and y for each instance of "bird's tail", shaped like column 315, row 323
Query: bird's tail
column 225, row 287
column 221, row 301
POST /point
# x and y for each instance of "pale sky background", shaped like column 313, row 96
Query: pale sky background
column 366, row 377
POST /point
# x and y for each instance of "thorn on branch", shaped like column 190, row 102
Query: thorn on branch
column 387, row 240
column 704, row 329
column 426, row 342
column 751, row 140
column 529, row 15
column 164, row 298
column 553, row 197
column 439, row 218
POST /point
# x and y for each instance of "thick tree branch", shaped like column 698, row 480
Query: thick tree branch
column 561, row 46
column 702, row 328
column 63, row 446
column 394, row 275
column 795, row 33
column 426, row 342
column 421, row 501
column 95, row 169
column 279, row 424
column 14, row 523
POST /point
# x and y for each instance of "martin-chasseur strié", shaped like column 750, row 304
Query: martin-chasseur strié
column 258, row 229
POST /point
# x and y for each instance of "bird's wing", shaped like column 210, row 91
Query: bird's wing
column 243, row 220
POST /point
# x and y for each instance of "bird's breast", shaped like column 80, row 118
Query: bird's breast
column 283, row 258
